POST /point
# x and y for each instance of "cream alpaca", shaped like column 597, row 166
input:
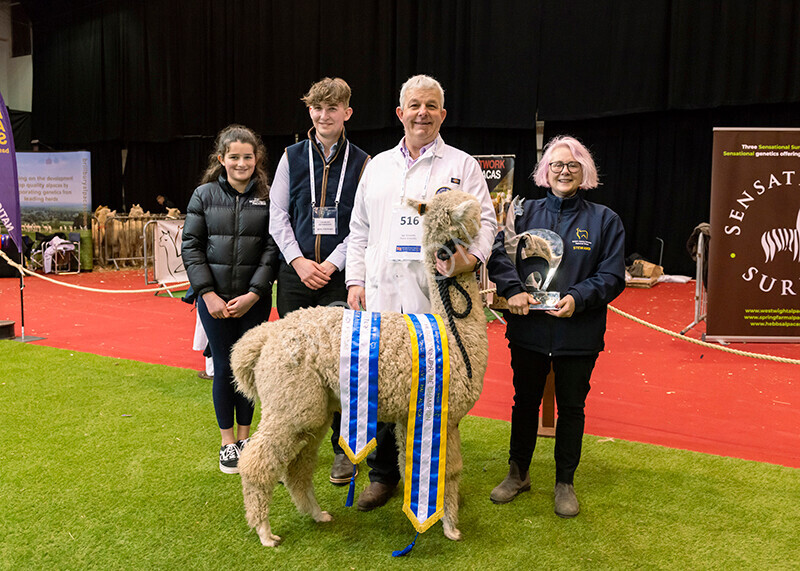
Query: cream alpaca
column 292, row 366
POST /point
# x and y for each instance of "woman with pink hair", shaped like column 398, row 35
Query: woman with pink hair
column 568, row 337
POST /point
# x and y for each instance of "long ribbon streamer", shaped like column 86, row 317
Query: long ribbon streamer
column 426, row 437
column 358, row 382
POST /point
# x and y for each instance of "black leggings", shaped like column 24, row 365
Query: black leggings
column 222, row 335
column 572, row 375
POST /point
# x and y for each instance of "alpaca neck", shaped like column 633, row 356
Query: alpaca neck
column 459, row 303
column 469, row 284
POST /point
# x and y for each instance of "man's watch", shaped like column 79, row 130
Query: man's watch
column 478, row 264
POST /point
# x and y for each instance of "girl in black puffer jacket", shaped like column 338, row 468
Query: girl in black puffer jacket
column 231, row 261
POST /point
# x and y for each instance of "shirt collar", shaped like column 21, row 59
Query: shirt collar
column 321, row 147
column 407, row 155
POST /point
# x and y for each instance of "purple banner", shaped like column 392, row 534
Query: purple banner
column 9, row 189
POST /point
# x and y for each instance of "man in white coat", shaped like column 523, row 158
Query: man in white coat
column 384, row 269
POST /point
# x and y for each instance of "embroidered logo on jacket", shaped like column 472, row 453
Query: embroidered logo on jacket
column 581, row 241
column 258, row 202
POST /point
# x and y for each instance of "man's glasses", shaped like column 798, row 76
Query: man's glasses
column 558, row 166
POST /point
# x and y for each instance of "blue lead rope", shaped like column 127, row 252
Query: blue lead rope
column 352, row 490
column 407, row 550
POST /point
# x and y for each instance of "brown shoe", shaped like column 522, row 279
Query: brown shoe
column 512, row 485
column 341, row 470
column 204, row 375
column 375, row 495
column 565, row 500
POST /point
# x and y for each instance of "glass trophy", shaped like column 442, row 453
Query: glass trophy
column 539, row 253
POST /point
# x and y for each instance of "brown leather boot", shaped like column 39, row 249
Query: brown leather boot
column 513, row 484
column 375, row 495
column 341, row 470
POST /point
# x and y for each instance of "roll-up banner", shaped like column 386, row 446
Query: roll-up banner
column 754, row 252
column 55, row 189
column 498, row 170
column 9, row 190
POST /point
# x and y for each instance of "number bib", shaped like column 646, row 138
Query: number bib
column 324, row 220
column 405, row 235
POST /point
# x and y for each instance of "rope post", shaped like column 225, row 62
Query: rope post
column 21, row 296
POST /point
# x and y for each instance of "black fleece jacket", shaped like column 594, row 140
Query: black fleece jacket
column 592, row 271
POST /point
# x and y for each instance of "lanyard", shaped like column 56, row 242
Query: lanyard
column 311, row 173
column 427, row 178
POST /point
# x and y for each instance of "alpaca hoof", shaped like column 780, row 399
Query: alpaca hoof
column 271, row 540
column 452, row 533
column 268, row 538
column 323, row 517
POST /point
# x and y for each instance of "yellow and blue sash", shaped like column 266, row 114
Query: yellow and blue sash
column 426, row 439
column 358, row 382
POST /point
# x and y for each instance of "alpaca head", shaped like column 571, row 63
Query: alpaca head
column 536, row 247
column 452, row 217
column 102, row 213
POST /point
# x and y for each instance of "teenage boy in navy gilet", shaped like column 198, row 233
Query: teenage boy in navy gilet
column 311, row 200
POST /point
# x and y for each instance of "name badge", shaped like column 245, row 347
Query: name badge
column 405, row 235
column 324, row 220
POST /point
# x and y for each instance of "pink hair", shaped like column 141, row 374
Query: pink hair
column 581, row 154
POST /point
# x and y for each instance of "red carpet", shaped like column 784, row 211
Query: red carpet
column 646, row 387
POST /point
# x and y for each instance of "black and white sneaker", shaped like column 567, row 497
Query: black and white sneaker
column 229, row 459
column 241, row 444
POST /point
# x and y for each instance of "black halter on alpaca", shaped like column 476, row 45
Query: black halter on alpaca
column 444, row 284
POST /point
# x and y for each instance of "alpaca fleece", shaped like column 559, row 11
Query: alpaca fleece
column 292, row 366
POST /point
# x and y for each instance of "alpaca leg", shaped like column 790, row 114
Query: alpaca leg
column 260, row 472
column 299, row 476
column 452, row 477
column 400, row 440
column 256, row 502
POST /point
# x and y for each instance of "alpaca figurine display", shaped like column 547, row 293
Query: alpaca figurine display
column 292, row 366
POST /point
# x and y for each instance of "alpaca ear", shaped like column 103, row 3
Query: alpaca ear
column 460, row 211
column 417, row 205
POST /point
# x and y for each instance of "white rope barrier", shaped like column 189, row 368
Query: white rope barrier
column 691, row 340
column 703, row 343
column 635, row 319
column 28, row 272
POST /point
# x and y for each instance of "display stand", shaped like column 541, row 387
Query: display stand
column 547, row 422
column 700, row 288
column 6, row 329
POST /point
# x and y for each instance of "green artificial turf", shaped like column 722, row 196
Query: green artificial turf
column 176, row 293
column 112, row 464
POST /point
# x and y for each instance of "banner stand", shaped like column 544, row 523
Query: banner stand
column 754, row 257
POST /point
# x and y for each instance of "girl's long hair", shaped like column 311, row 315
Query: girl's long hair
column 241, row 134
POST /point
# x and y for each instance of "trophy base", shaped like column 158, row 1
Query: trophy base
column 547, row 300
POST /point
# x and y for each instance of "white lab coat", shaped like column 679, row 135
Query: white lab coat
column 403, row 286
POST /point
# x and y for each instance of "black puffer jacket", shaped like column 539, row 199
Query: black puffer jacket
column 226, row 243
